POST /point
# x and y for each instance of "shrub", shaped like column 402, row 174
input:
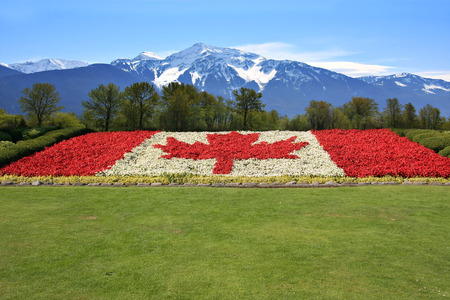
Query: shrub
column 65, row 120
column 27, row 147
column 5, row 136
column 436, row 143
column 401, row 132
column 419, row 137
column 411, row 134
column 31, row 134
column 445, row 152
column 4, row 144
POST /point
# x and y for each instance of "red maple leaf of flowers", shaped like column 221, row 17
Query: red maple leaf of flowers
column 226, row 148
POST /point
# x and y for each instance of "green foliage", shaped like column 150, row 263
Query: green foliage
column 445, row 152
column 246, row 101
column 11, row 121
column 5, row 144
column 180, row 107
column 410, row 116
column 411, row 134
column 298, row 123
column 319, row 114
column 393, row 113
column 436, row 143
column 27, row 147
column 103, row 105
column 400, row 131
column 362, row 113
column 65, row 120
column 5, row 136
column 420, row 137
column 31, row 133
column 40, row 102
column 138, row 105
column 430, row 117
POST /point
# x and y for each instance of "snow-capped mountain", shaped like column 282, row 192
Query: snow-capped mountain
column 202, row 64
column 287, row 86
column 411, row 82
column 47, row 65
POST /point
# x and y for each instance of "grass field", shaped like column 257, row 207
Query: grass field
column 371, row 242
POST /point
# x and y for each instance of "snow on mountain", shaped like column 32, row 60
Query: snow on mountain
column 221, row 70
column 147, row 56
column 202, row 64
column 412, row 82
column 287, row 86
column 47, row 65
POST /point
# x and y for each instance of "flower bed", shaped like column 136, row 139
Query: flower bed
column 328, row 153
column 362, row 153
column 84, row 155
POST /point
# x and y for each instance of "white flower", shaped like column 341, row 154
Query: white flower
column 146, row 160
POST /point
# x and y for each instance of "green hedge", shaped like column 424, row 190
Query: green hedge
column 436, row 143
column 5, row 136
column 421, row 136
column 24, row 148
column 411, row 134
column 445, row 152
column 401, row 131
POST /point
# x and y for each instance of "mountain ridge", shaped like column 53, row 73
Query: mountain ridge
column 287, row 85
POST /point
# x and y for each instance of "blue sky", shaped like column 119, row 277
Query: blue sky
column 355, row 37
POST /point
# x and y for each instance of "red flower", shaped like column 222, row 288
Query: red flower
column 82, row 156
column 381, row 152
column 228, row 147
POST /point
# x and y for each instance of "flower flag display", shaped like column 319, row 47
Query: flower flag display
column 326, row 153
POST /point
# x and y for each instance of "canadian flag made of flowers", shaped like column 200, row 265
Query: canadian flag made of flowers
column 272, row 153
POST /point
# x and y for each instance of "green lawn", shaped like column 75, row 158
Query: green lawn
column 371, row 242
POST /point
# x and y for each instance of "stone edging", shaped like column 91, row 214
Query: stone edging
column 291, row 184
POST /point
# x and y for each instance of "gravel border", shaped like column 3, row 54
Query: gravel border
column 292, row 184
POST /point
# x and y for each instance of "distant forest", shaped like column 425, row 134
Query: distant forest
column 182, row 107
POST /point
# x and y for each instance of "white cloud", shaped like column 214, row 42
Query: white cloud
column 444, row 75
column 319, row 59
column 280, row 51
column 353, row 69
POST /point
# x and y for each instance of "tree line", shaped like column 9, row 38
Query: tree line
column 182, row 107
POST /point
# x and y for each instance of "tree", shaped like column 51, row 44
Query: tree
column 65, row 120
column 247, row 100
column 10, row 121
column 103, row 104
column 393, row 112
column 180, row 103
column 410, row 116
column 209, row 107
column 40, row 102
column 430, row 117
column 319, row 114
column 339, row 119
column 362, row 112
column 139, row 102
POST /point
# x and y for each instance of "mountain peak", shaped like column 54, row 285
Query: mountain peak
column 146, row 55
column 47, row 64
